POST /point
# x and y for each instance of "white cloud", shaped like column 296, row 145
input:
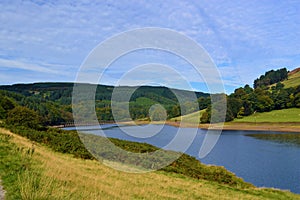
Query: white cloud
column 64, row 32
column 25, row 66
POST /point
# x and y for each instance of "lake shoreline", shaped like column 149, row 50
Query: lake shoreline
column 291, row 127
column 231, row 126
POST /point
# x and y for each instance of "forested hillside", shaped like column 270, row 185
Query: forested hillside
column 53, row 101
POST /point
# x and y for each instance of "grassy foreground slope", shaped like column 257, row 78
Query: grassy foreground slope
column 284, row 115
column 44, row 174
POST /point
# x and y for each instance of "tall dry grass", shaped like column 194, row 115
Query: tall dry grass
column 60, row 176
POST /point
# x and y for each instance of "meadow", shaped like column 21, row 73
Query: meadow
column 284, row 115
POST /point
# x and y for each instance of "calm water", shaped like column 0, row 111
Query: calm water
column 262, row 163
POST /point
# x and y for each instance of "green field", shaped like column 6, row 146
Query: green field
column 190, row 118
column 285, row 115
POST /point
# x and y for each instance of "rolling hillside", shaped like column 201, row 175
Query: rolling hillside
column 58, row 91
column 53, row 101
column 284, row 115
column 293, row 79
column 50, row 175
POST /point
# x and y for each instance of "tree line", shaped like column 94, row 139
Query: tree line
column 245, row 100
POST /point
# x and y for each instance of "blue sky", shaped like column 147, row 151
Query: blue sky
column 49, row 40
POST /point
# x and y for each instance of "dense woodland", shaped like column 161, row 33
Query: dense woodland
column 52, row 102
column 43, row 104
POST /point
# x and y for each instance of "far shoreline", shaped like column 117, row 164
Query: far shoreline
column 291, row 127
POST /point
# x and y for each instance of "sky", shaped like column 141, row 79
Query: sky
column 43, row 41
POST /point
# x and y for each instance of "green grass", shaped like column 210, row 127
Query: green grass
column 53, row 175
column 190, row 118
column 293, row 80
column 285, row 115
column 15, row 166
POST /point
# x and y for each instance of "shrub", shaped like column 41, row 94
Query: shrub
column 22, row 116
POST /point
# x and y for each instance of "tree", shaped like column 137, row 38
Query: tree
column 271, row 77
column 22, row 116
column 241, row 112
column 297, row 100
column 2, row 113
column 204, row 117
column 248, row 108
column 6, row 104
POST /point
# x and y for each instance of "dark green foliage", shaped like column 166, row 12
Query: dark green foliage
column 203, row 102
column 52, row 101
column 22, row 116
column 57, row 139
column 245, row 101
column 191, row 167
column 271, row 77
column 6, row 104
column 205, row 118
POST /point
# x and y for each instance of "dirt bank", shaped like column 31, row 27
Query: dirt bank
column 2, row 192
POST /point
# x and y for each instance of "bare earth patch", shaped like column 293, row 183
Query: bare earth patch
column 2, row 192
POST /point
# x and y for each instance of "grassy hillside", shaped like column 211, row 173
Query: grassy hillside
column 285, row 115
column 44, row 174
column 190, row 118
column 293, row 79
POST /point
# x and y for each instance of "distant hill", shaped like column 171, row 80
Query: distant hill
column 53, row 101
column 56, row 91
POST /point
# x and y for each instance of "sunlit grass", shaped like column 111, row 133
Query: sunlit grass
column 61, row 176
column 285, row 115
column 293, row 80
column 193, row 118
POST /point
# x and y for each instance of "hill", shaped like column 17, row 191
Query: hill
column 53, row 101
column 284, row 115
column 58, row 91
column 40, row 173
column 293, row 79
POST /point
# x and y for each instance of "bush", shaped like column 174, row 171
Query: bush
column 57, row 139
column 22, row 116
